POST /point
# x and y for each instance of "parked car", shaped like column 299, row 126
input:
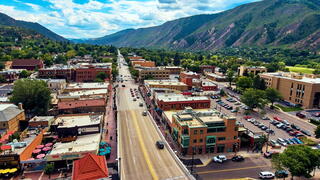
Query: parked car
column 300, row 115
column 279, row 125
column 134, row 99
column 123, row 85
column 277, row 118
column 237, row 158
column 269, row 154
column 247, row 117
column 266, row 175
column 306, row 132
column 219, row 158
column 316, row 114
column 281, row 174
column 295, row 127
column 141, row 104
column 160, row 144
column 282, row 142
column 144, row 113
column 274, row 144
column 265, row 118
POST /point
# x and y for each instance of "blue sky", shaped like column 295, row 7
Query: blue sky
column 96, row 18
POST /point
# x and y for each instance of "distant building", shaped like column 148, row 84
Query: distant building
column 174, row 69
column 168, row 84
column 28, row 64
column 86, row 86
column 216, row 77
column 188, row 76
column 56, row 85
column 41, row 121
column 178, row 101
column 255, row 70
column 85, row 105
column 207, row 69
column 295, row 88
column 153, row 73
column 203, row 131
column 11, row 74
column 136, row 58
column 143, row 63
column 208, row 86
column 10, row 116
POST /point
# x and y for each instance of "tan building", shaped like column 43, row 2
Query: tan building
column 251, row 70
column 10, row 115
column 168, row 84
column 295, row 88
column 174, row 69
column 216, row 77
column 204, row 131
column 153, row 73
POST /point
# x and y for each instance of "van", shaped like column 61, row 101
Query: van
column 266, row 175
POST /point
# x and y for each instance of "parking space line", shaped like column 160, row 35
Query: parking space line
column 234, row 169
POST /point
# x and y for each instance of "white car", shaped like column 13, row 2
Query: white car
column 280, row 125
column 219, row 158
column 266, row 175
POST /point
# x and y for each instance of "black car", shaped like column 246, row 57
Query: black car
column 306, row 132
column 295, row 127
column 281, row 174
column 237, row 158
column 160, row 144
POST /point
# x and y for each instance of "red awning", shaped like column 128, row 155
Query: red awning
column 90, row 166
column 5, row 147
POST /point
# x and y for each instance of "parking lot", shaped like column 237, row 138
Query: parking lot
column 250, row 167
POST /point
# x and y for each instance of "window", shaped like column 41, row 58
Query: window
column 195, row 132
column 201, row 131
column 194, row 141
column 235, row 137
column 201, row 140
column 221, row 138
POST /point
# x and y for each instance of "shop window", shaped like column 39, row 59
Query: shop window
column 221, row 138
column 195, row 132
column 194, row 141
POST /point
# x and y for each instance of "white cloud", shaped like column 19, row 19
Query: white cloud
column 94, row 18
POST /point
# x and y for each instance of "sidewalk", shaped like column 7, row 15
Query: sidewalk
column 110, row 128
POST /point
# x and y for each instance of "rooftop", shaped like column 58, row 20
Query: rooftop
column 208, row 83
column 101, row 85
column 88, row 92
column 41, row 118
column 83, row 143
column 81, row 103
column 215, row 75
column 164, row 82
column 171, row 97
column 190, row 73
column 295, row 77
column 78, row 120
column 9, row 111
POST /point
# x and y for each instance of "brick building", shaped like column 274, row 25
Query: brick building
column 28, row 64
column 85, row 105
column 207, row 68
column 153, row 72
column 187, row 77
column 208, row 86
column 178, row 101
column 216, row 77
column 143, row 63
column 295, row 88
column 204, row 131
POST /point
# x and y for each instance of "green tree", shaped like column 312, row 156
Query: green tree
column 244, row 83
column 258, row 83
column 230, row 77
column 48, row 59
column 299, row 160
column 272, row 95
column 317, row 131
column 49, row 169
column 253, row 98
column 25, row 74
column 33, row 94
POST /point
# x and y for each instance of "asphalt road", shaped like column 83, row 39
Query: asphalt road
column 140, row 158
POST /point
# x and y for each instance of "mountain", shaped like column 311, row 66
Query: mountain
column 6, row 20
column 267, row 23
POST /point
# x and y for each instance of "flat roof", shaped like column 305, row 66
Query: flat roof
column 208, row 83
column 88, row 92
column 215, row 75
column 81, row 144
column 101, row 85
column 83, row 120
column 161, row 82
column 190, row 73
column 287, row 76
column 171, row 97
column 170, row 113
column 41, row 118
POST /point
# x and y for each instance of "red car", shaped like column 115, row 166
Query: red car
column 300, row 115
column 247, row 117
column 277, row 118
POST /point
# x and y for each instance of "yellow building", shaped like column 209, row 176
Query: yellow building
column 295, row 88
column 10, row 115
column 153, row 72
column 251, row 70
column 168, row 84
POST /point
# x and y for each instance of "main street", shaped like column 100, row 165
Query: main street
column 139, row 158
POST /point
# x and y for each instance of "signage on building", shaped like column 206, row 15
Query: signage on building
column 88, row 130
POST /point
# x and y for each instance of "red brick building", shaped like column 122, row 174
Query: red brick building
column 208, row 86
column 82, row 106
column 178, row 102
column 28, row 64
column 57, row 73
column 187, row 77
column 89, row 74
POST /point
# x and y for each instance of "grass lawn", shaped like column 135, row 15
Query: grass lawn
column 300, row 69
column 288, row 109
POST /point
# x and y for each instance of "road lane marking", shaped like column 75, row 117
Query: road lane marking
column 143, row 147
column 235, row 169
